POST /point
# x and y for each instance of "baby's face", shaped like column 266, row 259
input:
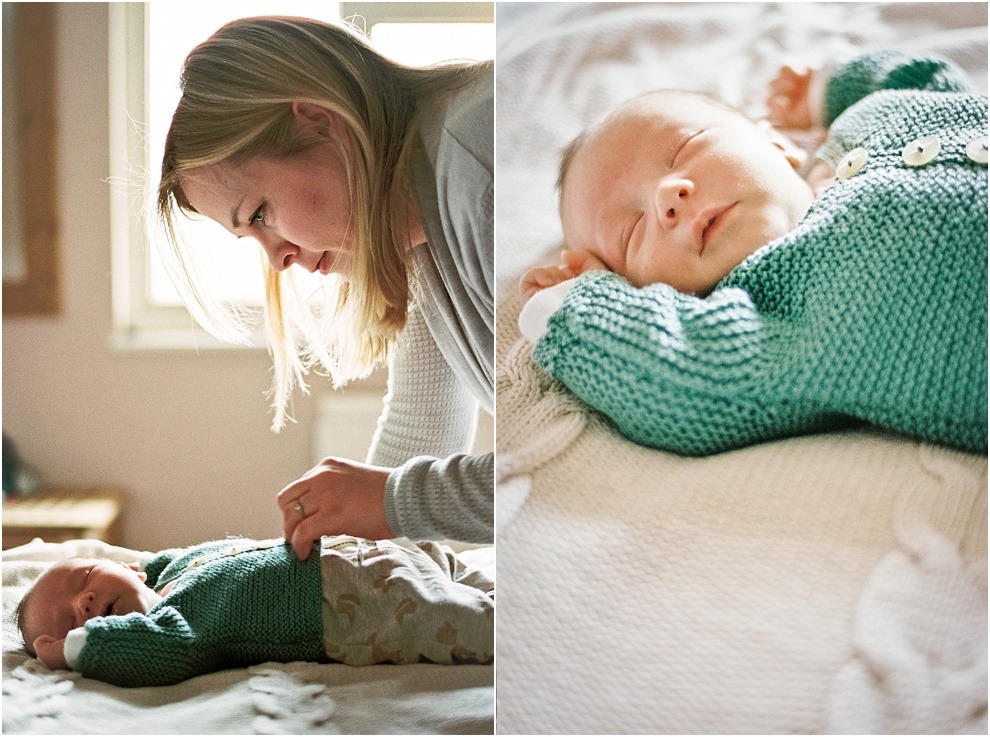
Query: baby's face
column 76, row 590
column 673, row 188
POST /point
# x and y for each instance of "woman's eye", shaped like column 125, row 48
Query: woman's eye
column 258, row 216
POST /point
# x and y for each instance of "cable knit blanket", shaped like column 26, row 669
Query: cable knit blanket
column 829, row 583
column 271, row 698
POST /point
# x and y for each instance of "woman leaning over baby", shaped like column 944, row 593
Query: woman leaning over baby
column 296, row 133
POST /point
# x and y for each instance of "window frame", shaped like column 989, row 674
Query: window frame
column 139, row 324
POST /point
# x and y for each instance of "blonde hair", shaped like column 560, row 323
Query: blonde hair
column 238, row 88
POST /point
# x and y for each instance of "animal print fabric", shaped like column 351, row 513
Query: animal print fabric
column 394, row 601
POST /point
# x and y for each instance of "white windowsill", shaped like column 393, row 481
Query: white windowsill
column 177, row 339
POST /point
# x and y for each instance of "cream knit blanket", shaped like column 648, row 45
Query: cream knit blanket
column 820, row 584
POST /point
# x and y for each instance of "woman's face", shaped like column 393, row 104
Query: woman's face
column 298, row 208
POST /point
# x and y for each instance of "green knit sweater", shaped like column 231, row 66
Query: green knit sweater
column 234, row 603
column 874, row 308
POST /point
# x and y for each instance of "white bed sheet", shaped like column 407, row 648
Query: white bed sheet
column 832, row 583
column 272, row 698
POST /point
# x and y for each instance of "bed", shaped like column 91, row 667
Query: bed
column 834, row 583
column 271, row 698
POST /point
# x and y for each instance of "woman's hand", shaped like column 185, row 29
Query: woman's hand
column 787, row 102
column 543, row 277
column 336, row 497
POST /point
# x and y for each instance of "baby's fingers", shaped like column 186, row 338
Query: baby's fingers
column 542, row 277
column 581, row 262
column 790, row 76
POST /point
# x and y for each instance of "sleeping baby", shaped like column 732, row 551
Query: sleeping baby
column 712, row 297
column 233, row 603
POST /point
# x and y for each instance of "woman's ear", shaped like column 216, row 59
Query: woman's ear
column 796, row 156
column 317, row 119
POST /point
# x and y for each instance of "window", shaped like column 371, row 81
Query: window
column 148, row 42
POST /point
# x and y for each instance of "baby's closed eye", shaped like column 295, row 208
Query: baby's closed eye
column 627, row 237
column 682, row 144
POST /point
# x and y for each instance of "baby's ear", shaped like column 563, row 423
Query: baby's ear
column 796, row 156
column 137, row 569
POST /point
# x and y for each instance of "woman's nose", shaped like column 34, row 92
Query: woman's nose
column 281, row 253
column 672, row 199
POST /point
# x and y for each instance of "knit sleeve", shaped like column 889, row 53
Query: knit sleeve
column 443, row 498
column 434, row 491
column 889, row 70
column 154, row 566
column 142, row 650
column 671, row 371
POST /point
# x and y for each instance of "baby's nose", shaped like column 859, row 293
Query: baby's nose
column 85, row 605
column 671, row 199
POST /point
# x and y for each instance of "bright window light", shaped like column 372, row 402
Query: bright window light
column 419, row 44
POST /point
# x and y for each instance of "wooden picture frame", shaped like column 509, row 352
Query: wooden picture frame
column 31, row 147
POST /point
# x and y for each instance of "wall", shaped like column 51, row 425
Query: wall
column 187, row 434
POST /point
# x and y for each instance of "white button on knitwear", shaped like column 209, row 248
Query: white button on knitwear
column 976, row 150
column 921, row 151
column 851, row 163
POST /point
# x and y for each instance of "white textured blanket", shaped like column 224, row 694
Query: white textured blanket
column 833, row 583
column 272, row 698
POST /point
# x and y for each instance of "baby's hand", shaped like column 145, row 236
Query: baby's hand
column 787, row 102
column 51, row 652
column 581, row 262
column 542, row 277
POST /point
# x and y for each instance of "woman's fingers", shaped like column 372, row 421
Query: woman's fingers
column 293, row 513
column 293, row 491
column 307, row 532
column 302, row 541
column 287, row 500
column 337, row 496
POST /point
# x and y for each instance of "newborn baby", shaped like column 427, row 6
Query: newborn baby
column 237, row 602
column 734, row 301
